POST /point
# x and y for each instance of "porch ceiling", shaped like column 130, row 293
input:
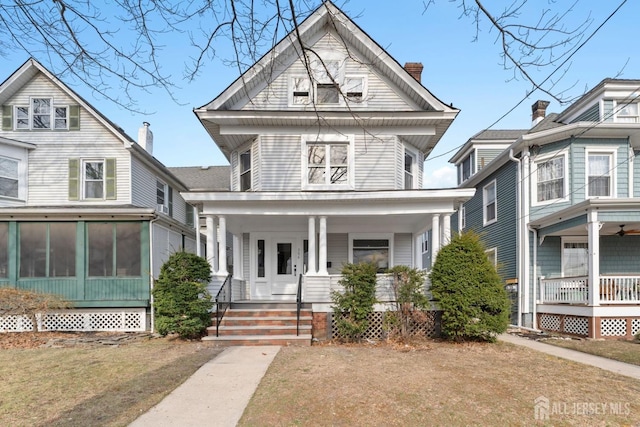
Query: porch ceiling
column 608, row 229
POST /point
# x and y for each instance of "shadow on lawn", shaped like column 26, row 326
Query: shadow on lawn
column 121, row 405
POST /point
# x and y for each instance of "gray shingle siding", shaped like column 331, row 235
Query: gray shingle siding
column 502, row 233
column 592, row 114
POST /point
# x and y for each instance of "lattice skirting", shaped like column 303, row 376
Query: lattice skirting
column 125, row 320
column 606, row 327
column 429, row 326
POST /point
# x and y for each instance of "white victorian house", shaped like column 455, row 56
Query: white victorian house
column 326, row 136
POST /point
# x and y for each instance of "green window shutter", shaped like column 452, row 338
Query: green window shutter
column 74, row 179
column 7, row 117
column 111, row 178
column 74, row 117
column 170, row 201
column 189, row 210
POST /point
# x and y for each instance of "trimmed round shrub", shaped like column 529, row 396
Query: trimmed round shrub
column 181, row 300
column 469, row 291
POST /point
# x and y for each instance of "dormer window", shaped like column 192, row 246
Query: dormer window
column 626, row 112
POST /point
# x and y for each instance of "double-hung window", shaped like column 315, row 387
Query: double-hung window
column 410, row 166
column 162, row 197
column 626, row 112
column 600, row 173
column 245, row 171
column 9, row 178
column 550, row 179
column 93, row 171
column 575, row 257
column 489, row 203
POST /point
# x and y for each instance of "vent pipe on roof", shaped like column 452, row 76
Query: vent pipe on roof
column 415, row 69
column 538, row 111
column 145, row 137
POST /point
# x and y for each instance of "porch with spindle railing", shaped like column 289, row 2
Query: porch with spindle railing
column 612, row 289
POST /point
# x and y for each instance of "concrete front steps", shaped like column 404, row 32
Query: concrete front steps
column 261, row 324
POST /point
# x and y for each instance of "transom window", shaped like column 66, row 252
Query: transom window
column 489, row 203
column 9, row 177
column 245, row 171
column 93, row 171
column 550, row 179
column 374, row 251
column 328, row 163
column 599, row 170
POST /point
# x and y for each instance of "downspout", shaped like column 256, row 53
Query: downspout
column 525, row 230
column 519, row 233
column 630, row 174
column 534, row 279
column 196, row 224
column 151, row 282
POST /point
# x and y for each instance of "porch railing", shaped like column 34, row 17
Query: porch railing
column 619, row 289
column 574, row 290
column 612, row 289
column 223, row 301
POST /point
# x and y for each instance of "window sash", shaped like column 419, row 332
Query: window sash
column 627, row 112
column 575, row 259
column 331, row 169
column 550, row 179
column 93, row 179
column 599, row 175
column 61, row 118
column 409, row 161
column 490, row 202
column 161, row 192
column 245, row 171
column 22, row 117
column 41, row 113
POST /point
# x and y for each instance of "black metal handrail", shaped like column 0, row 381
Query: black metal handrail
column 223, row 301
column 298, row 304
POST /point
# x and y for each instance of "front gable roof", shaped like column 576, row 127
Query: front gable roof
column 31, row 68
column 327, row 15
column 231, row 119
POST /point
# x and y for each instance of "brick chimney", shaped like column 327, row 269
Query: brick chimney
column 145, row 137
column 415, row 69
column 538, row 111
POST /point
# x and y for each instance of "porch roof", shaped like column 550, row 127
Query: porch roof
column 571, row 220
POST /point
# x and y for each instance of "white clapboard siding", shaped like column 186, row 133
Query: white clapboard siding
column 246, row 263
column 49, row 172
column 256, row 169
column 380, row 95
column 402, row 249
column 337, row 251
column 375, row 163
column 280, row 163
column 399, row 162
column 235, row 171
column 144, row 185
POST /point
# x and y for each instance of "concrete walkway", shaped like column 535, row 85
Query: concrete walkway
column 621, row 368
column 216, row 394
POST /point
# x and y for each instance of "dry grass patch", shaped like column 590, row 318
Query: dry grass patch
column 433, row 384
column 621, row 350
column 93, row 385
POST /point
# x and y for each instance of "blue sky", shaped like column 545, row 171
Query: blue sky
column 457, row 69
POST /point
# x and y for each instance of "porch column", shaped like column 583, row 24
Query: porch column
column 222, row 246
column 446, row 229
column 212, row 243
column 593, row 230
column 311, row 256
column 417, row 263
column 196, row 224
column 322, row 256
column 237, row 257
column 435, row 237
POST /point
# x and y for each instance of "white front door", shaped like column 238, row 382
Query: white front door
column 285, row 267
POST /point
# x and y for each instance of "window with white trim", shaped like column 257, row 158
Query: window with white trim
column 9, row 177
column 162, row 197
column 463, row 217
column 600, row 174
column 327, row 162
column 93, row 179
column 489, row 203
column 492, row 256
column 465, row 169
column 410, row 166
column 245, row 171
column 549, row 178
column 425, row 242
column 626, row 112
column 41, row 114
column 575, row 257
column 375, row 251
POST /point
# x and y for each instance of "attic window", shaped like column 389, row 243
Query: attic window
column 328, row 93
column 354, row 88
column 300, row 89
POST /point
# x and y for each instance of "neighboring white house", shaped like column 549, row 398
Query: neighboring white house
column 326, row 165
column 85, row 211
